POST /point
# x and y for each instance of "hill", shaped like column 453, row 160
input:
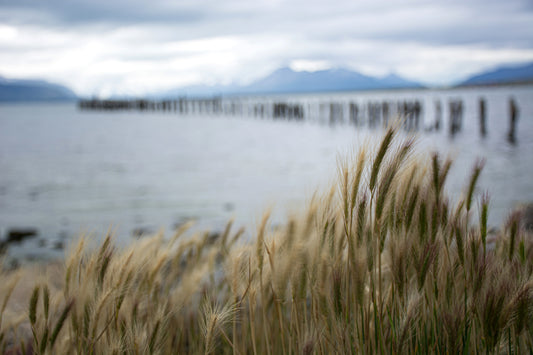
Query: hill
column 286, row 80
column 502, row 75
column 12, row 90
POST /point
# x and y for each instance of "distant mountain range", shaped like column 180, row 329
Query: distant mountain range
column 286, row 80
column 12, row 90
column 502, row 75
column 281, row 81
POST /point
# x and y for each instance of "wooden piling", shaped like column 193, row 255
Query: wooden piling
column 513, row 117
column 482, row 117
column 438, row 115
column 354, row 111
column 385, row 113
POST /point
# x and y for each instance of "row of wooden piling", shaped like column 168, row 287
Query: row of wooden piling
column 182, row 106
column 372, row 113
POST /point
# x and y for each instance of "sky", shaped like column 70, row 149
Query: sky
column 135, row 47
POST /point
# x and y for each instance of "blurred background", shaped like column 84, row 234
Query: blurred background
column 133, row 117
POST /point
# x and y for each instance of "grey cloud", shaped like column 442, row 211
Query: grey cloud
column 270, row 33
column 59, row 13
column 488, row 22
column 433, row 24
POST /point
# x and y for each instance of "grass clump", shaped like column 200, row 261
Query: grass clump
column 383, row 263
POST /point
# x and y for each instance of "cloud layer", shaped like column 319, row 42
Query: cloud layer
column 135, row 47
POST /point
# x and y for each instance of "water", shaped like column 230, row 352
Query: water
column 66, row 172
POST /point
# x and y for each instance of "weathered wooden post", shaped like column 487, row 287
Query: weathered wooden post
column 513, row 111
column 385, row 113
column 438, row 115
column 459, row 115
column 371, row 114
column 354, row 110
column 340, row 113
column 406, row 115
column 482, row 117
column 377, row 114
column 456, row 116
column 417, row 109
column 453, row 117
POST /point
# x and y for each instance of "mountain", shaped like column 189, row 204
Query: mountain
column 393, row 81
column 33, row 90
column 199, row 91
column 503, row 75
column 286, row 80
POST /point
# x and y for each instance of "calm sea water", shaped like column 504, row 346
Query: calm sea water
column 66, row 172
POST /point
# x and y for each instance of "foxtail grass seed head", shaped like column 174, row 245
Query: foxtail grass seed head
column 476, row 171
column 46, row 301
column 512, row 226
column 411, row 206
column 460, row 240
column 8, row 292
column 444, row 173
column 356, row 182
column 483, row 219
column 435, row 171
column 380, row 156
column 60, row 322
column 361, row 219
column 260, row 243
column 33, row 305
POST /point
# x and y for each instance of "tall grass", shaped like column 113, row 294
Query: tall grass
column 383, row 263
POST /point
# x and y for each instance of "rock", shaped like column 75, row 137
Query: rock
column 17, row 235
column 59, row 245
column 141, row 231
column 182, row 221
column 14, row 264
column 33, row 195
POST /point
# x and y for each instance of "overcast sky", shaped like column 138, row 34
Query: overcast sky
column 107, row 47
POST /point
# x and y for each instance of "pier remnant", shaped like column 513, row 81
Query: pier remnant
column 438, row 115
column 417, row 110
column 385, row 113
column 482, row 117
column 513, row 117
column 354, row 114
column 335, row 113
column 456, row 116
column 360, row 111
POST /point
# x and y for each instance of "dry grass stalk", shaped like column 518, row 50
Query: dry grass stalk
column 380, row 263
